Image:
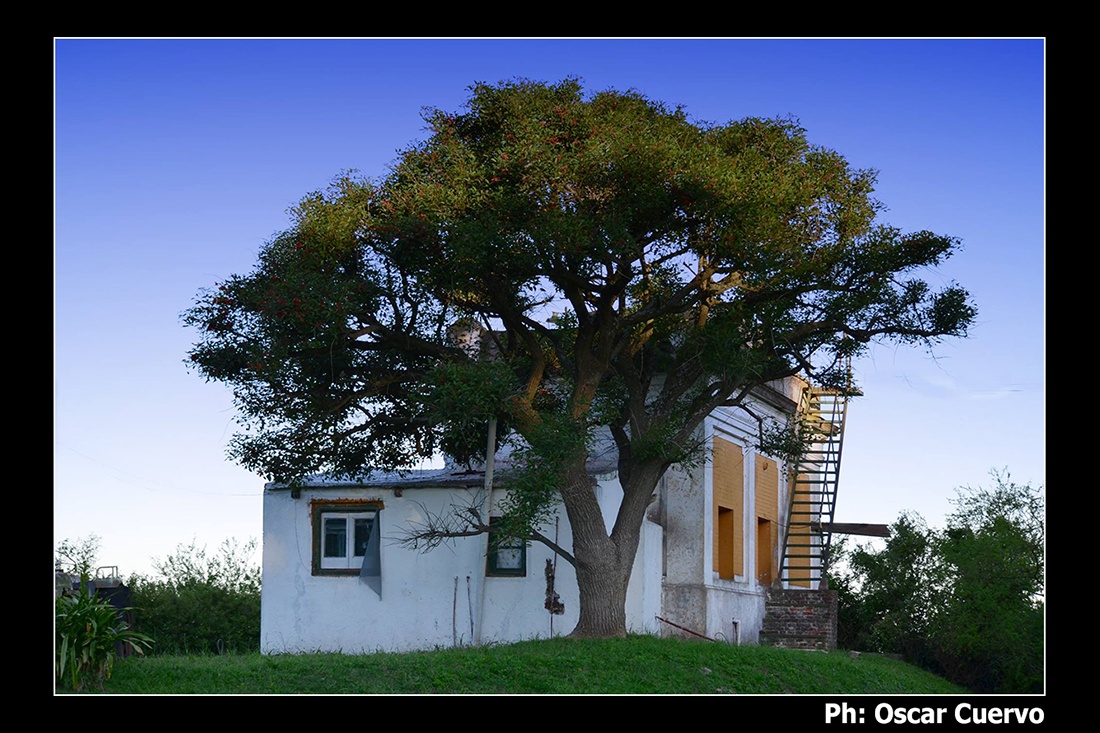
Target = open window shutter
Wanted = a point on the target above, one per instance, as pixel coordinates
(371, 574)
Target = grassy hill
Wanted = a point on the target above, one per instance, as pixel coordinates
(635, 665)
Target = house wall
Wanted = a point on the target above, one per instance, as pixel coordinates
(700, 592)
(439, 598)
(442, 598)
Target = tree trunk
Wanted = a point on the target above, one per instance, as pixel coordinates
(600, 578)
(603, 562)
(602, 589)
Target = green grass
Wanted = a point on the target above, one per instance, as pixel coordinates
(635, 665)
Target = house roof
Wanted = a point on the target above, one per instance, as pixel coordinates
(602, 462)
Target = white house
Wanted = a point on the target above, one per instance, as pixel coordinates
(337, 578)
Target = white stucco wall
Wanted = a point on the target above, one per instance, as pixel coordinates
(429, 599)
(436, 599)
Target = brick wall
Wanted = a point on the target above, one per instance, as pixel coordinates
(800, 619)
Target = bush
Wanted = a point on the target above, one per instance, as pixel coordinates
(89, 633)
(966, 601)
(989, 636)
(200, 603)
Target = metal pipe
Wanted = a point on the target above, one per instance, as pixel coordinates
(490, 456)
(684, 628)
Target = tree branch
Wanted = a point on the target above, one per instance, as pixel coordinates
(465, 520)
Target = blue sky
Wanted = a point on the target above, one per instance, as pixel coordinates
(177, 158)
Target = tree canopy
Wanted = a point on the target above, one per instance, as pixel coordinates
(628, 269)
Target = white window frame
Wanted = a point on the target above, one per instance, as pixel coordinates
(350, 562)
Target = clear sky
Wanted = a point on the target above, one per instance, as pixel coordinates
(176, 159)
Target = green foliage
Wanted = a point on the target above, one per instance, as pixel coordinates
(792, 440)
(990, 639)
(965, 601)
(464, 397)
(202, 603)
(89, 634)
(695, 260)
(542, 464)
(895, 593)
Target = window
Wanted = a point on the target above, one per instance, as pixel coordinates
(507, 555)
(345, 540)
(341, 537)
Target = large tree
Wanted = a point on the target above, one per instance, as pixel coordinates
(632, 270)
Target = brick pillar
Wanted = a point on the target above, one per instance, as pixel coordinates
(797, 618)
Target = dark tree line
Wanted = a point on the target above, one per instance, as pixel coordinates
(966, 601)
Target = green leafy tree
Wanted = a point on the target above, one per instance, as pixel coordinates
(887, 596)
(77, 557)
(631, 270)
(965, 601)
(989, 630)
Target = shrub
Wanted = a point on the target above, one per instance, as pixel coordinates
(966, 601)
(201, 603)
(90, 632)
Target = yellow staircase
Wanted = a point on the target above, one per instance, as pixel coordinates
(813, 491)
